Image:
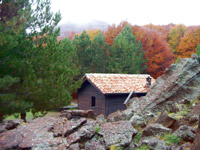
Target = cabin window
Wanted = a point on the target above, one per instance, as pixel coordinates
(93, 101)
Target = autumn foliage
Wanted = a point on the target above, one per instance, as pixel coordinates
(156, 49)
(161, 44)
(188, 43)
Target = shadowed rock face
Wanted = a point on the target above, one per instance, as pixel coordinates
(180, 81)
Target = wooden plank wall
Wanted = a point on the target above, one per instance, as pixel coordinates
(114, 103)
(84, 99)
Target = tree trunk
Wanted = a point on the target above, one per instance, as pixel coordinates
(23, 116)
(1, 118)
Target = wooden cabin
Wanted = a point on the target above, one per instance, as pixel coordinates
(106, 93)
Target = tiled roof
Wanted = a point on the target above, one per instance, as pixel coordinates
(119, 83)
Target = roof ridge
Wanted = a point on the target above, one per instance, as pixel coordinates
(116, 74)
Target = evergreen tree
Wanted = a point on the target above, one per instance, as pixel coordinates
(45, 68)
(127, 55)
(82, 44)
(99, 54)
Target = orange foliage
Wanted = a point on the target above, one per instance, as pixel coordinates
(154, 44)
(189, 42)
(71, 35)
(113, 32)
(156, 50)
(92, 33)
(163, 29)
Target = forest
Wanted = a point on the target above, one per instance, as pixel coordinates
(39, 71)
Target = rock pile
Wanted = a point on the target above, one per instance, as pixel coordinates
(165, 119)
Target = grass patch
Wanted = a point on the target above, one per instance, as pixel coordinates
(169, 139)
(138, 137)
(143, 147)
(29, 115)
(113, 147)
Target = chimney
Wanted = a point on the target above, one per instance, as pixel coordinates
(148, 79)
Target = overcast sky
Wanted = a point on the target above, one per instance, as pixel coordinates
(138, 12)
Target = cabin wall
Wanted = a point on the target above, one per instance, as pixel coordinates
(115, 102)
(84, 99)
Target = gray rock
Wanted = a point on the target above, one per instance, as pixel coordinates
(137, 121)
(118, 133)
(171, 107)
(69, 114)
(85, 132)
(10, 124)
(74, 146)
(31, 135)
(180, 81)
(155, 129)
(120, 115)
(65, 127)
(186, 133)
(95, 143)
(100, 119)
(155, 144)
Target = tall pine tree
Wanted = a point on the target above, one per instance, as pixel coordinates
(127, 55)
(99, 54)
(40, 69)
(82, 44)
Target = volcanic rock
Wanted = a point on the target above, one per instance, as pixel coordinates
(155, 129)
(180, 81)
(118, 133)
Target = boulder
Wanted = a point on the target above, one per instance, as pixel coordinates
(31, 135)
(137, 121)
(95, 143)
(9, 125)
(12, 124)
(100, 119)
(166, 120)
(66, 127)
(155, 143)
(171, 107)
(155, 129)
(180, 81)
(186, 133)
(118, 133)
(10, 139)
(69, 114)
(120, 115)
(85, 132)
(74, 146)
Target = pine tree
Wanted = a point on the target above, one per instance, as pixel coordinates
(82, 44)
(45, 68)
(127, 55)
(99, 54)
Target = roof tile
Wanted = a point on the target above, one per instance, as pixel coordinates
(119, 83)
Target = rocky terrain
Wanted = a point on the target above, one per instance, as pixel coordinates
(167, 118)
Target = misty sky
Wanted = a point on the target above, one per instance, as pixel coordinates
(139, 12)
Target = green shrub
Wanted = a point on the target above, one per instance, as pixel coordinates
(169, 139)
(137, 137)
(97, 129)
